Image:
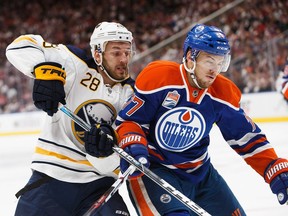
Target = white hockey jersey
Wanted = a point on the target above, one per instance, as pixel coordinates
(60, 151)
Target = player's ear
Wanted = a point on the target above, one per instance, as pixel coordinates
(97, 57)
(189, 60)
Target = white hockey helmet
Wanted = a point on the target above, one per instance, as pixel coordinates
(102, 34)
(108, 31)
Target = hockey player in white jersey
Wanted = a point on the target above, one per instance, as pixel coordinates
(72, 168)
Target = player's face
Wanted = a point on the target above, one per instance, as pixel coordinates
(116, 58)
(208, 66)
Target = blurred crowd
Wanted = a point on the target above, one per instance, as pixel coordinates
(252, 26)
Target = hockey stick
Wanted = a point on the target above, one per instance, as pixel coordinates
(116, 185)
(161, 182)
(110, 192)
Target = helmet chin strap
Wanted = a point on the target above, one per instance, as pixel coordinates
(111, 78)
(106, 72)
(191, 71)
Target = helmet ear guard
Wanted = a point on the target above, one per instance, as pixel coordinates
(208, 39)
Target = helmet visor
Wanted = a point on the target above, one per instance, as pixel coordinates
(219, 64)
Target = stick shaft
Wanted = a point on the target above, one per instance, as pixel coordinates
(75, 118)
(161, 182)
(110, 192)
(116, 185)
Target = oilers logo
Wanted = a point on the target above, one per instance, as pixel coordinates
(179, 129)
(93, 112)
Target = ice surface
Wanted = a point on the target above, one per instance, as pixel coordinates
(251, 190)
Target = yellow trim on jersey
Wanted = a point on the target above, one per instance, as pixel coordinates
(24, 37)
(116, 171)
(62, 157)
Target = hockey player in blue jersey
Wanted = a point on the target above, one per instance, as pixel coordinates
(67, 176)
(166, 126)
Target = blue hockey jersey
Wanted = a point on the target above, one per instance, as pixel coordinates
(176, 120)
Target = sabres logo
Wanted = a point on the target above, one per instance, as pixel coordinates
(180, 128)
(93, 112)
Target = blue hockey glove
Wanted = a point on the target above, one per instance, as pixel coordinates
(48, 89)
(136, 146)
(277, 176)
(100, 140)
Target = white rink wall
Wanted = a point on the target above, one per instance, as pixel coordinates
(261, 107)
(16, 123)
(265, 107)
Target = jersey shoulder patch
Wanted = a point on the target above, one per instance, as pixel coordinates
(159, 74)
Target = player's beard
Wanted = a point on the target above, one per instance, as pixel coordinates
(110, 70)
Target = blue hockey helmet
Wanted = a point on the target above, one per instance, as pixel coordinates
(209, 39)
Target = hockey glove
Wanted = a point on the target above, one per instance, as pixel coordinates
(277, 176)
(48, 89)
(136, 146)
(100, 140)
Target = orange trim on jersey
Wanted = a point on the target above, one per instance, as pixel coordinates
(126, 127)
(60, 156)
(159, 74)
(143, 206)
(236, 212)
(131, 139)
(225, 90)
(261, 160)
(249, 146)
(164, 73)
(152, 152)
(188, 165)
(285, 91)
